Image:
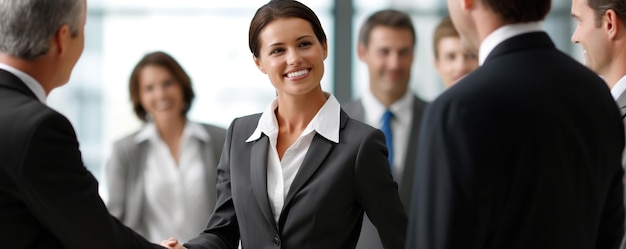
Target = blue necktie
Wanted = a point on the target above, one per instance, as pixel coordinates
(386, 128)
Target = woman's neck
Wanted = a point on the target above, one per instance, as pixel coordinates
(171, 131)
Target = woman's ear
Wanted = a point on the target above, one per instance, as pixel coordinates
(259, 64)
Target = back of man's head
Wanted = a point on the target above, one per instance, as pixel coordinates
(387, 18)
(26, 26)
(519, 11)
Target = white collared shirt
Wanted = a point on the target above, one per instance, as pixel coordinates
(503, 33)
(400, 125)
(619, 87)
(281, 173)
(30, 82)
(176, 200)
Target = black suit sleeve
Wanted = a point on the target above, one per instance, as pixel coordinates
(63, 194)
(378, 193)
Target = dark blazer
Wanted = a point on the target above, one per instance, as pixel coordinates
(369, 238)
(324, 207)
(48, 199)
(355, 110)
(525, 152)
(125, 175)
(621, 103)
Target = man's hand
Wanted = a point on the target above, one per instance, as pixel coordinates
(172, 243)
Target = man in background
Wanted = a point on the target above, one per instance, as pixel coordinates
(452, 59)
(524, 152)
(387, 45)
(48, 199)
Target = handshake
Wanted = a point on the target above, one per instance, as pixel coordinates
(172, 243)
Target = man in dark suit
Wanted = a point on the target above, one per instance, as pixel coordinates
(525, 151)
(386, 44)
(48, 199)
(601, 31)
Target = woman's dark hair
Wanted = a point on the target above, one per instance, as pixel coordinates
(277, 9)
(168, 62)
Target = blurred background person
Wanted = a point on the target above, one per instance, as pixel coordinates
(161, 179)
(302, 173)
(453, 60)
(386, 44)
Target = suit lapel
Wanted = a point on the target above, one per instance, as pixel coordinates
(317, 153)
(135, 184)
(406, 185)
(258, 170)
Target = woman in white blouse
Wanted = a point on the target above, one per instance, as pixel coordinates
(161, 179)
(302, 173)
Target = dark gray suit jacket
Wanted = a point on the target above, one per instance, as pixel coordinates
(125, 175)
(324, 208)
(48, 199)
(369, 238)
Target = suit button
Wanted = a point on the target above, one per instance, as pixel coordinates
(276, 241)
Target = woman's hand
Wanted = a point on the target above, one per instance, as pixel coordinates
(172, 243)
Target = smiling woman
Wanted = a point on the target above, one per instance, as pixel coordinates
(302, 173)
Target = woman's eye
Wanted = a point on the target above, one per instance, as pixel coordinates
(277, 50)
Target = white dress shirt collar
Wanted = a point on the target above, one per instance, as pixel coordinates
(402, 109)
(192, 130)
(30, 82)
(503, 33)
(401, 125)
(325, 122)
(619, 87)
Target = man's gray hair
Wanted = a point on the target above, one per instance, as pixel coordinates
(26, 26)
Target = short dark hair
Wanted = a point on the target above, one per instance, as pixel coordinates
(388, 18)
(276, 9)
(162, 59)
(602, 6)
(445, 28)
(519, 11)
